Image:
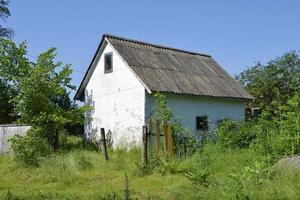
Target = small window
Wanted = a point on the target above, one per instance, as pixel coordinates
(255, 112)
(201, 123)
(108, 63)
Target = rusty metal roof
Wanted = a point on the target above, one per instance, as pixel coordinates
(178, 71)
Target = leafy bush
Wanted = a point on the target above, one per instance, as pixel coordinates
(168, 166)
(236, 134)
(28, 148)
(41, 91)
(185, 142)
(201, 177)
(143, 170)
(272, 137)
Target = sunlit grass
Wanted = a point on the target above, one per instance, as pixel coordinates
(84, 174)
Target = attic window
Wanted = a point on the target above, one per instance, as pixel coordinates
(201, 123)
(108, 62)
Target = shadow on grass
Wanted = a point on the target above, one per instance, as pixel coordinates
(72, 143)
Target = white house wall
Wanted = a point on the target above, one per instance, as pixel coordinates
(188, 107)
(119, 102)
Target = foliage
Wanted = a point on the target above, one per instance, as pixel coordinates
(283, 140)
(274, 83)
(200, 177)
(27, 148)
(215, 172)
(6, 106)
(126, 189)
(236, 134)
(274, 138)
(42, 91)
(168, 167)
(184, 140)
(4, 14)
(161, 110)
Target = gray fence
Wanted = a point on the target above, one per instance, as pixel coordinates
(7, 131)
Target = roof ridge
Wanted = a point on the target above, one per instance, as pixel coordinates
(154, 45)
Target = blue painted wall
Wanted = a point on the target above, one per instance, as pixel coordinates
(188, 107)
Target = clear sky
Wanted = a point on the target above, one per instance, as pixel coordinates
(237, 33)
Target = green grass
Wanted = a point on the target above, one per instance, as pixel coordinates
(213, 173)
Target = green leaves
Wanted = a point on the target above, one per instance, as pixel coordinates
(274, 83)
(5, 13)
(161, 110)
(27, 148)
(237, 134)
(42, 90)
(6, 106)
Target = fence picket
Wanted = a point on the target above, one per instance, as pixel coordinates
(166, 136)
(170, 142)
(144, 146)
(157, 137)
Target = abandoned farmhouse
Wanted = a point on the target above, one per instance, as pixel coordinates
(124, 74)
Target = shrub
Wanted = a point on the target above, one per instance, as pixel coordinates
(28, 148)
(201, 177)
(168, 166)
(185, 142)
(236, 134)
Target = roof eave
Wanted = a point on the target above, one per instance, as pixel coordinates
(80, 91)
(246, 99)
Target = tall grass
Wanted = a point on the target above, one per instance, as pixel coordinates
(212, 173)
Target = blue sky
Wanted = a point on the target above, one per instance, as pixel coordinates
(236, 33)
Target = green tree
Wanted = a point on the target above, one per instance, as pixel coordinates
(161, 110)
(6, 107)
(4, 14)
(41, 88)
(274, 83)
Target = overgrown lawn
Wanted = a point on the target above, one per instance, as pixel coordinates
(212, 173)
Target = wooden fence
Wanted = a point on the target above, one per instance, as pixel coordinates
(152, 137)
(157, 139)
(7, 131)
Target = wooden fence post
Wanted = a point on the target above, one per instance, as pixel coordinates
(157, 137)
(149, 133)
(170, 142)
(144, 146)
(103, 140)
(166, 136)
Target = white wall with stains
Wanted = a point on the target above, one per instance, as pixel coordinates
(119, 102)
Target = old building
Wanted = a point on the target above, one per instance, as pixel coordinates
(124, 74)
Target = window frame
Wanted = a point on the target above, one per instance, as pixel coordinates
(205, 120)
(106, 71)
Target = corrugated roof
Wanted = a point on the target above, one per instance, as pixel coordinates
(178, 71)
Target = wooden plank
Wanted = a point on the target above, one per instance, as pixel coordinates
(103, 139)
(157, 137)
(170, 142)
(149, 133)
(144, 146)
(166, 136)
